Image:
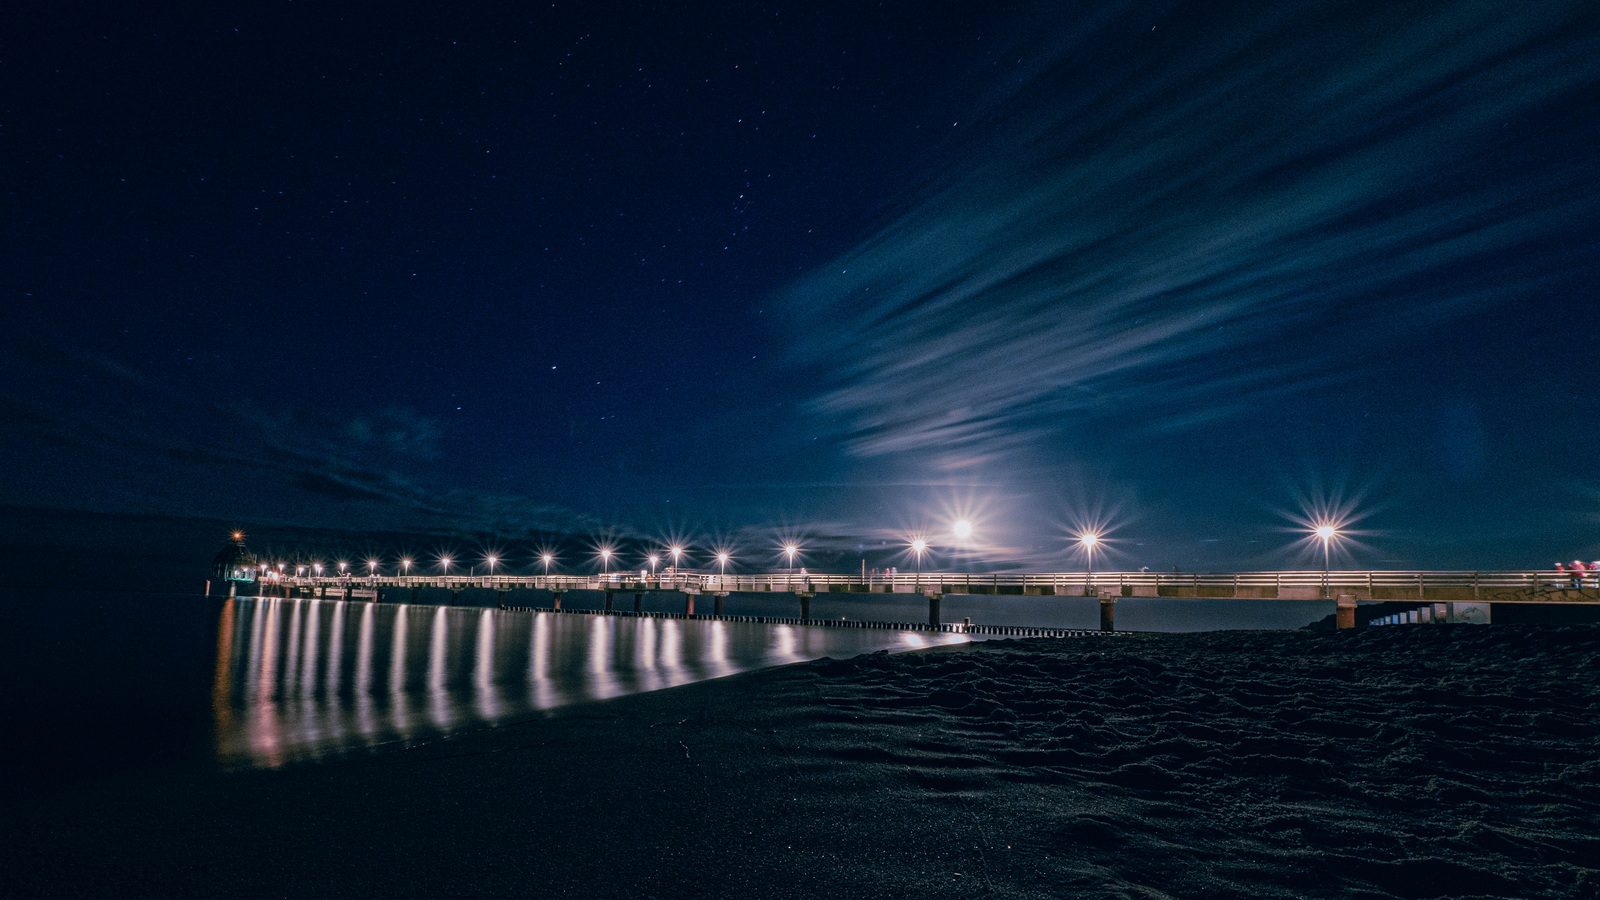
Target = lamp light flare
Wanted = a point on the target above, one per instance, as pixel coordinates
(962, 529)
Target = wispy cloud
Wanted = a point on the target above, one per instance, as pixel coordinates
(1157, 224)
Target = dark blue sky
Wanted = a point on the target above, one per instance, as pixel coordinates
(1184, 270)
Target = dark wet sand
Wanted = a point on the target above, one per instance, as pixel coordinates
(1448, 761)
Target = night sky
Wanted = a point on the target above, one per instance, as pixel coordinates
(1184, 273)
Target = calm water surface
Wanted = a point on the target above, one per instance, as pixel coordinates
(95, 681)
(304, 678)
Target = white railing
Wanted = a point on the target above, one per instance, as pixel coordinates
(1370, 584)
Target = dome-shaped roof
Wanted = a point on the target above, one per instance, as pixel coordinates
(233, 561)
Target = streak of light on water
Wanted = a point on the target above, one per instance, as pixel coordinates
(294, 684)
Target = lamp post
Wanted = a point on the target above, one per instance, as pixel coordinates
(722, 563)
(653, 560)
(919, 546)
(405, 566)
(605, 562)
(546, 558)
(444, 565)
(790, 550)
(1088, 541)
(1326, 533)
(491, 560)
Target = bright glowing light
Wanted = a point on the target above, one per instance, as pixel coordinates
(918, 546)
(238, 535)
(372, 565)
(1326, 532)
(790, 550)
(962, 529)
(406, 565)
(343, 565)
(1089, 541)
(444, 563)
(318, 567)
(491, 560)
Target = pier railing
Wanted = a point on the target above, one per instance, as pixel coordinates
(1532, 586)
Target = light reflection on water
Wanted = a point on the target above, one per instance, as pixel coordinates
(303, 679)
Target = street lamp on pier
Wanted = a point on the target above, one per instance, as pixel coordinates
(1089, 541)
(1326, 532)
(919, 547)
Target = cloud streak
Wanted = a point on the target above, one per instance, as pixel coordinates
(1156, 224)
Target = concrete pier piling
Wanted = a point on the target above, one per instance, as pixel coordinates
(1108, 610)
(1344, 611)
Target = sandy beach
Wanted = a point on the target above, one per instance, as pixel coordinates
(1422, 762)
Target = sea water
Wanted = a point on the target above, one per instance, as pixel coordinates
(98, 680)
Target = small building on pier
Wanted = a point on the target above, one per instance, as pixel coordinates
(234, 564)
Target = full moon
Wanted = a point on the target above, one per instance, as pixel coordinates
(963, 529)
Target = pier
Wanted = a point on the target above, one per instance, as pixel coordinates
(1460, 595)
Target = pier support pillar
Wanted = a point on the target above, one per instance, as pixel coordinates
(1108, 611)
(638, 602)
(1344, 611)
(416, 595)
(716, 604)
(933, 609)
(555, 600)
(609, 604)
(688, 604)
(455, 596)
(500, 598)
(805, 607)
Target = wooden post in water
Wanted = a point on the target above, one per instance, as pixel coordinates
(638, 602)
(1344, 611)
(1108, 611)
